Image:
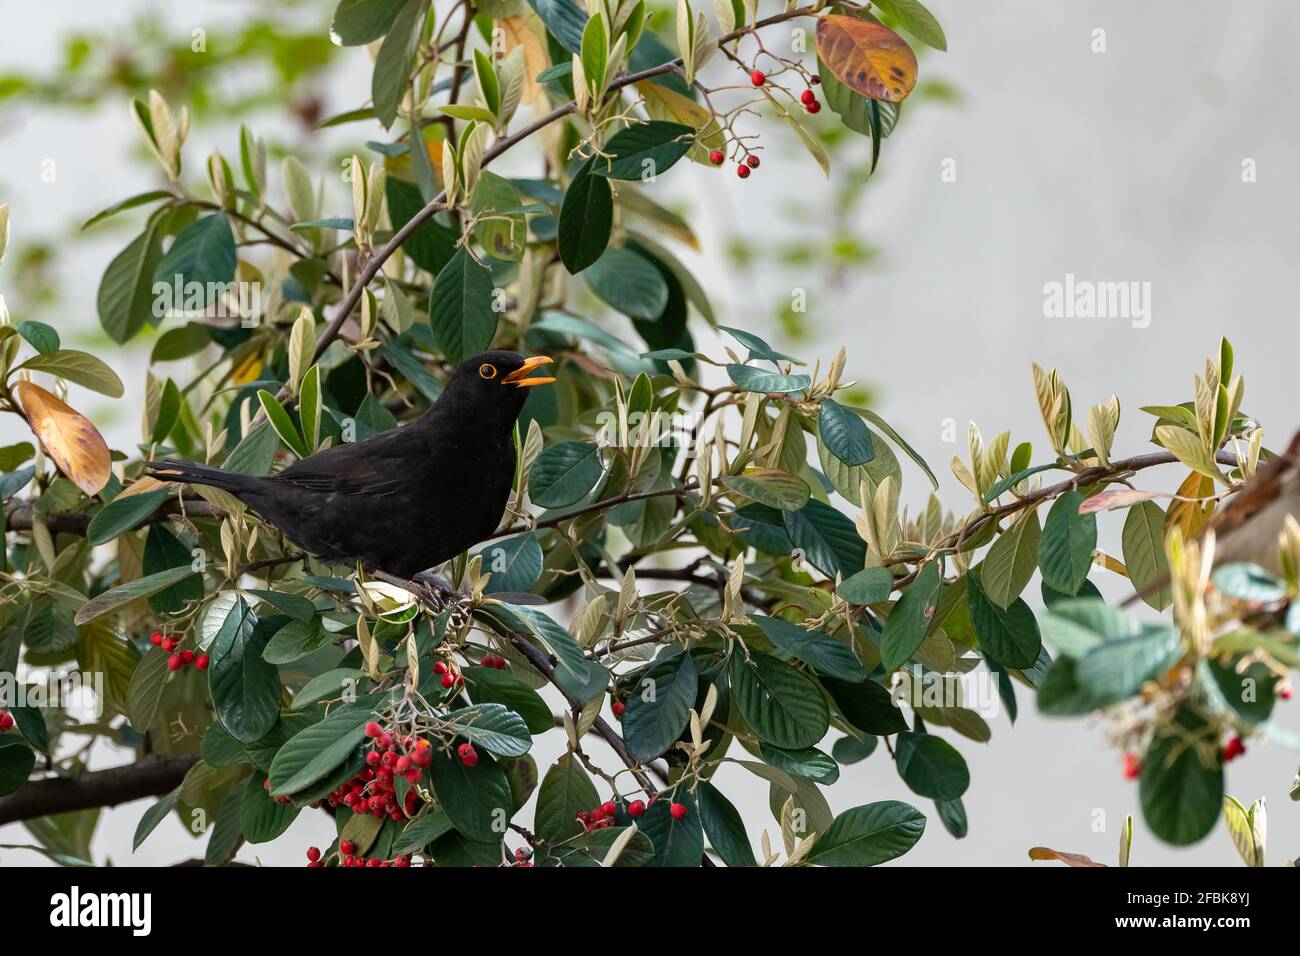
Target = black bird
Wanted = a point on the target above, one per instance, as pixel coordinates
(410, 498)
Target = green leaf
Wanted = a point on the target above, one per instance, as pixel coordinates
(311, 754)
(866, 705)
(758, 348)
(1011, 561)
(131, 202)
(781, 705)
(494, 727)
(658, 710)
(869, 835)
(629, 282)
(844, 433)
(122, 514)
(358, 22)
(776, 489)
(910, 619)
(644, 150)
(295, 605)
(16, 481)
(1181, 786)
(753, 379)
(1010, 636)
(677, 843)
(116, 597)
(202, 252)
(488, 81)
(809, 763)
(488, 685)
(261, 818)
(293, 642)
(125, 298)
(564, 474)
(724, 827)
(395, 60)
(1248, 582)
(826, 654)
(1067, 543)
(81, 368)
(565, 790)
(282, 423)
(515, 563)
(930, 766)
(913, 17)
(327, 685)
(868, 586)
(502, 234)
(39, 336)
(460, 308)
(245, 688)
(1144, 552)
(421, 832)
(1116, 669)
(564, 21)
(152, 817)
(17, 761)
(477, 798)
(586, 219)
(827, 539)
(144, 695)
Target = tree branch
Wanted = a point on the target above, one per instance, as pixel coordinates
(150, 777)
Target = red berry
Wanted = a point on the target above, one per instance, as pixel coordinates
(373, 758)
(717, 157)
(742, 171)
(467, 754)
(169, 644)
(608, 808)
(187, 657)
(447, 680)
(313, 853)
(6, 720)
(814, 79)
(402, 765)
(752, 162)
(1132, 767)
(440, 667)
(618, 707)
(758, 78)
(501, 663)
(373, 729)
(156, 638)
(174, 663)
(808, 97)
(1285, 692)
(814, 107)
(678, 810)
(201, 662)
(384, 741)
(636, 808)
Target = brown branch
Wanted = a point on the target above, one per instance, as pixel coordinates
(150, 777)
(1088, 476)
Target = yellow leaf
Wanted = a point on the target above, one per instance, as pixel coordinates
(867, 57)
(71, 441)
(248, 369)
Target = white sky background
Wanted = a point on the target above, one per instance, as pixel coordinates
(1122, 166)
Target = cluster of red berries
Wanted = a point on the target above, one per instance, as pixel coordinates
(178, 659)
(451, 674)
(493, 661)
(374, 789)
(523, 857)
(1233, 748)
(718, 157)
(809, 100)
(266, 785)
(603, 815)
(6, 720)
(348, 856)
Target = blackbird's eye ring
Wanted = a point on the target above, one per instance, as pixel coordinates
(487, 370)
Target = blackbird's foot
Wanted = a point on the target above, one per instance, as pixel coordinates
(429, 579)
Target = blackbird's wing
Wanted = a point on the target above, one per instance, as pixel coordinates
(373, 468)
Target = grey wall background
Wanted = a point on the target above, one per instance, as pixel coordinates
(1122, 165)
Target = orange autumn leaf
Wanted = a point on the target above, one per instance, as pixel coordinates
(71, 441)
(867, 57)
(1069, 859)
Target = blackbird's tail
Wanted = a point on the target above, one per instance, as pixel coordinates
(189, 472)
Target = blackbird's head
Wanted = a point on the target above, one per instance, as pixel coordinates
(494, 385)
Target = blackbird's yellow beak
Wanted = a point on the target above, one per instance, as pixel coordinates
(520, 378)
